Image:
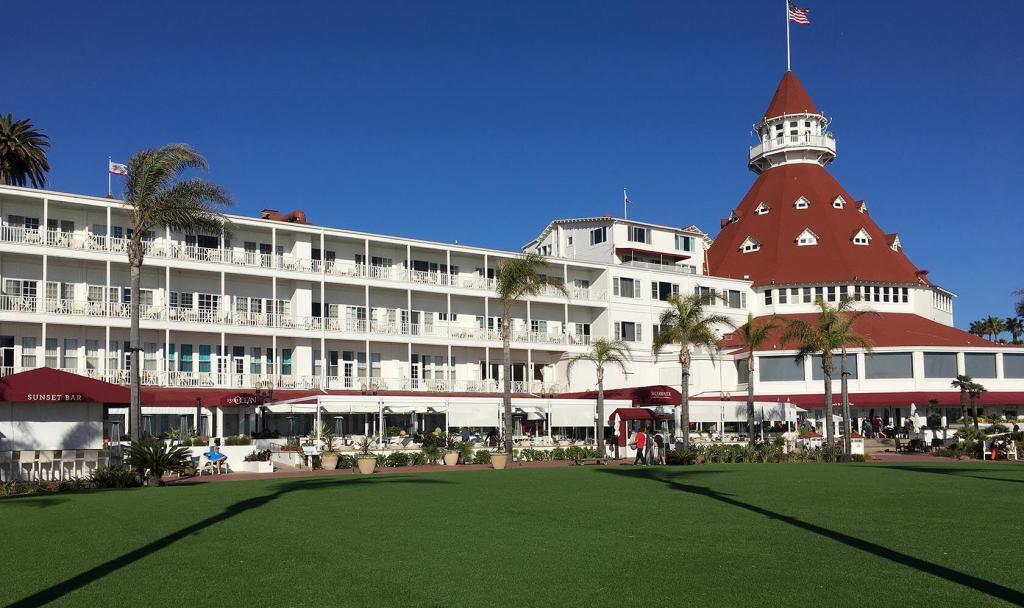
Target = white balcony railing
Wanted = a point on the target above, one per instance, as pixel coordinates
(825, 142)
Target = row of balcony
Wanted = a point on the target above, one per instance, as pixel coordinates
(337, 268)
(173, 379)
(279, 320)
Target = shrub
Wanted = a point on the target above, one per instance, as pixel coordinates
(465, 452)
(394, 431)
(112, 476)
(682, 457)
(152, 459)
(346, 461)
(532, 455)
(258, 456)
(574, 452)
(557, 454)
(238, 440)
(418, 458)
(396, 459)
(482, 457)
(432, 453)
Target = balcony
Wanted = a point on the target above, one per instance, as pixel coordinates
(661, 267)
(161, 249)
(821, 145)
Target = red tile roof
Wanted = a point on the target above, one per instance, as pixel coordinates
(790, 98)
(780, 260)
(885, 329)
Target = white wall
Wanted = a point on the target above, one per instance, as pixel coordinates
(56, 426)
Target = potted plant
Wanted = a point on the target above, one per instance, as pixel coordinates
(499, 459)
(328, 457)
(451, 454)
(366, 461)
(258, 461)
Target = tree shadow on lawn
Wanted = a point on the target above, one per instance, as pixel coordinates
(955, 472)
(40, 502)
(78, 581)
(978, 584)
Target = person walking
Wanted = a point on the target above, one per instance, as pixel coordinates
(640, 443)
(649, 451)
(659, 447)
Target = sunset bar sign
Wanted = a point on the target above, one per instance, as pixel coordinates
(55, 397)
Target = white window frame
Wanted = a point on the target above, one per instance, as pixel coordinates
(802, 203)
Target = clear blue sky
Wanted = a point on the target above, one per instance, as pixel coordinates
(479, 121)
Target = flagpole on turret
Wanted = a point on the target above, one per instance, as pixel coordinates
(788, 67)
(110, 189)
(625, 204)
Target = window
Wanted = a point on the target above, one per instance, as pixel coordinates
(255, 360)
(802, 203)
(1013, 365)
(839, 203)
(980, 365)
(598, 235)
(28, 352)
(569, 240)
(149, 358)
(780, 369)
(208, 302)
(185, 360)
(735, 299)
(545, 250)
(863, 207)
(626, 288)
(70, 359)
(628, 331)
(113, 357)
(52, 353)
(749, 244)
(882, 366)
(661, 290)
(862, 237)
(538, 326)
(742, 375)
(286, 361)
(940, 365)
(92, 354)
(639, 235)
(807, 296)
(707, 295)
(204, 358)
(768, 296)
(831, 293)
(807, 237)
(837, 361)
(762, 209)
(905, 294)
(684, 243)
(783, 296)
(819, 293)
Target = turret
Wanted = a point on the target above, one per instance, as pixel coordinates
(792, 130)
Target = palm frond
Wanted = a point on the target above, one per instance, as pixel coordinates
(23, 159)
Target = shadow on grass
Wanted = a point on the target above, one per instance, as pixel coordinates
(955, 576)
(954, 471)
(39, 502)
(91, 575)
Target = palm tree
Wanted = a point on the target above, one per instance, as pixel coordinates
(157, 196)
(1015, 327)
(974, 390)
(1019, 306)
(602, 352)
(833, 331)
(963, 383)
(516, 278)
(976, 328)
(22, 155)
(993, 327)
(752, 335)
(686, 325)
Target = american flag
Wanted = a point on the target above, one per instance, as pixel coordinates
(799, 15)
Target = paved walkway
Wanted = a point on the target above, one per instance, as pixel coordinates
(429, 468)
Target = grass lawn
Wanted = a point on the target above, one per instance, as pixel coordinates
(725, 535)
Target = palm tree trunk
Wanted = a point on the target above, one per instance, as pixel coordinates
(600, 411)
(963, 406)
(750, 397)
(684, 408)
(845, 399)
(974, 411)
(506, 351)
(829, 434)
(135, 411)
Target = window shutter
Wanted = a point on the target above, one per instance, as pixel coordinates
(639, 332)
(654, 290)
(618, 330)
(615, 286)
(636, 289)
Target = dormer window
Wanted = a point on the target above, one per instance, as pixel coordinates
(862, 207)
(802, 203)
(862, 237)
(894, 244)
(749, 245)
(807, 237)
(839, 203)
(762, 209)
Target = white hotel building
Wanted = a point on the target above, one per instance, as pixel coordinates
(314, 308)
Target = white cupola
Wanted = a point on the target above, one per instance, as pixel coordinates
(792, 130)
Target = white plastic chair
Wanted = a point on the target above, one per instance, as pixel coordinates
(26, 460)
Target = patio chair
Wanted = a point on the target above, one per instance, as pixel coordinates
(986, 450)
(6, 466)
(26, 468)
(46, 464)
(69, 460)
(90, 461)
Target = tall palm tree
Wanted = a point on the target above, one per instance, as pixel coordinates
(963, 383)
(752, 335)
(833, 331)
(977, 328)
(1019, 306)
(22, 153)
(993, 327)
(602, 352)
(974, 390)
(516, 278)
(1015, 327)
(158, 196)
(687, 325)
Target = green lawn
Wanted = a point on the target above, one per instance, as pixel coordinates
(727, 535)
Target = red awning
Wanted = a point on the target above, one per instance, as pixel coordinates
(663, 254)
(862, 400)
(658, 394)
(48, 385)
(636, 413)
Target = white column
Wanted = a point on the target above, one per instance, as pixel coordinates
(41, 302)
(107, 239)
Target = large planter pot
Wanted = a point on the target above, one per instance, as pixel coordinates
(259, 466)
(366, 464)
(329, 461)
(499, 460)
(451, 458)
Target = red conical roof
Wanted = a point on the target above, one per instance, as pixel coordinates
(790, 98)
(834, 259)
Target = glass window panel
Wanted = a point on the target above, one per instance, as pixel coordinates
(780, 369)
(888, 365)
(940, 365)
(980, 365)
(1013, 365)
